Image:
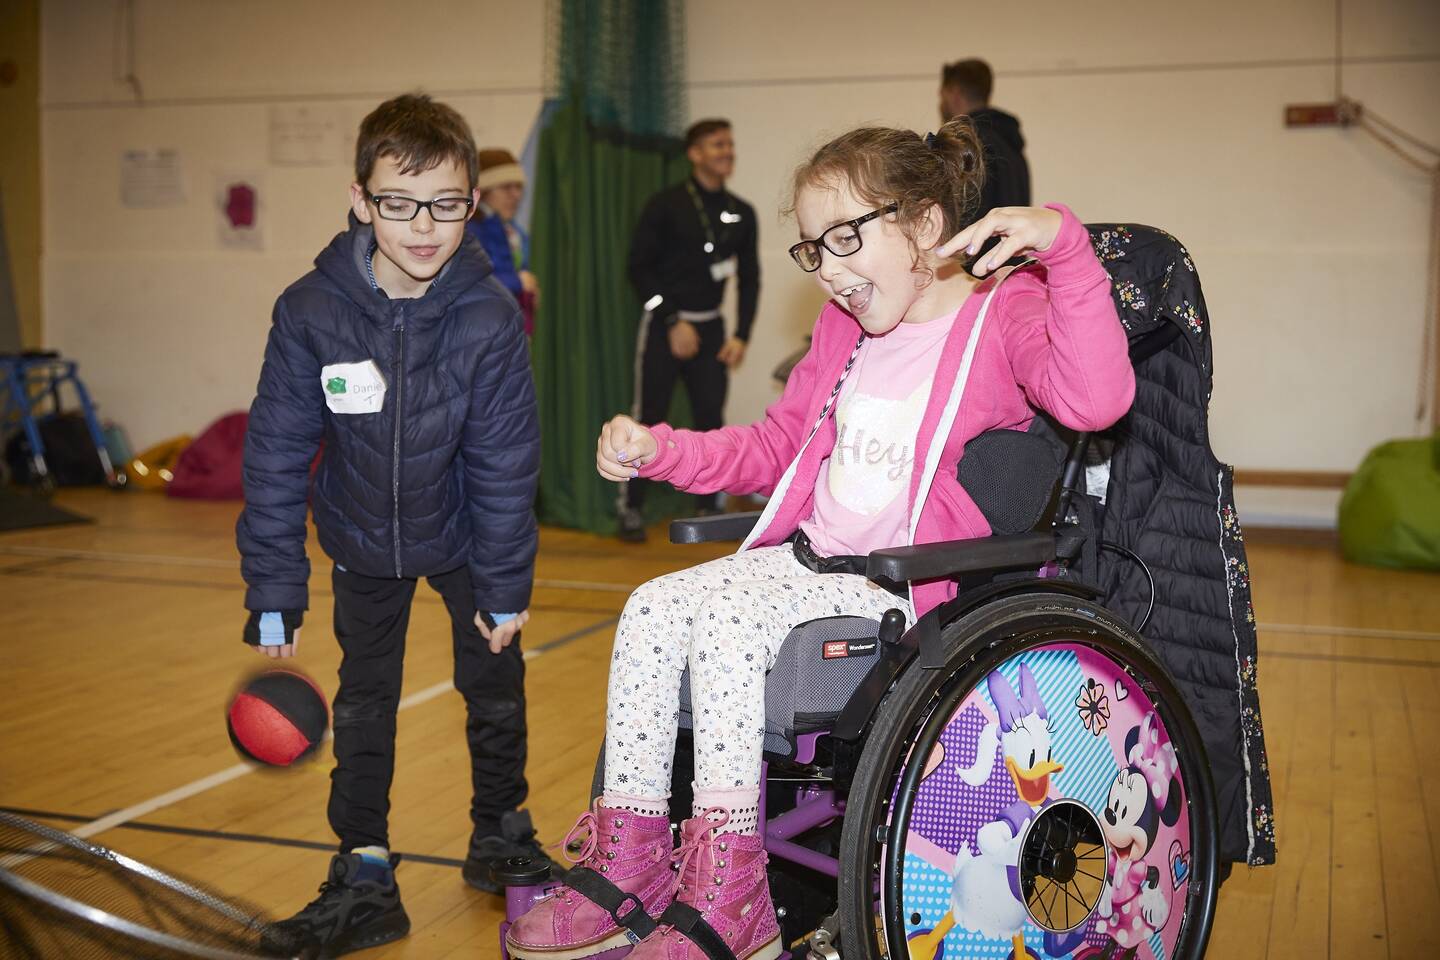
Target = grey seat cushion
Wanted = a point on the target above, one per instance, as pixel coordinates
(820, 664)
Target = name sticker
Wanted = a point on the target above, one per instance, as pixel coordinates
(353, 387)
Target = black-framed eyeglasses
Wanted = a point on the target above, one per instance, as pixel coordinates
(842, 240)
(442, 209)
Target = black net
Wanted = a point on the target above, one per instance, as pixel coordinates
(623, 60)
(61, 896)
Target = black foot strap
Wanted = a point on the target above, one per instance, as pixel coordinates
(624, 908)
(688, 921)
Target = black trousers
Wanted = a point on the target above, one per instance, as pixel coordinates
(706, 380)
(371, 617)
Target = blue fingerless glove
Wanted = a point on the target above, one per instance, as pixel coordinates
(272, 628)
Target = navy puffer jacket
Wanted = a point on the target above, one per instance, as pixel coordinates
(441, 475)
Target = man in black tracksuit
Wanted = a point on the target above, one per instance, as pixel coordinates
(965, 87)
(690, 240)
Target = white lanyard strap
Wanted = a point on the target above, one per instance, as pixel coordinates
(952, 409)
(773, 506)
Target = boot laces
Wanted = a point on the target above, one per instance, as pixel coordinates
(699, 848)
(586, 833)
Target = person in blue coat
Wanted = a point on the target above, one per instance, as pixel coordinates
(501, 183)
(403, 358)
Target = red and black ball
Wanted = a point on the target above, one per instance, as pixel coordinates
(278, 718)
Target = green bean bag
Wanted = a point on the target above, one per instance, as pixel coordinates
(1390, 511)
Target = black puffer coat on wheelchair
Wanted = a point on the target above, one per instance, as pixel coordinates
(1171, 502)
(441, 476)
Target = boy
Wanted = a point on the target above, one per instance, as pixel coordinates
(406, 357)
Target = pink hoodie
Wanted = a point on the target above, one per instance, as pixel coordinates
(1051, 339)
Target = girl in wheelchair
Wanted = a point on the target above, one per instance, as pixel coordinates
(914, 355)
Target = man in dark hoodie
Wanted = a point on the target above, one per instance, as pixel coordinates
(407, 358)
(965, 87)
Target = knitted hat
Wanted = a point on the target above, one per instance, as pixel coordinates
(496, 167)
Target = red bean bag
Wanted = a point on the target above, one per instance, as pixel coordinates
(209, 469)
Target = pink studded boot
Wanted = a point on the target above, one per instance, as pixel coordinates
(723, 893)
(622, 880)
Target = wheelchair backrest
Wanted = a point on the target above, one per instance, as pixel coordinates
(1014, 476)
(1018, 478)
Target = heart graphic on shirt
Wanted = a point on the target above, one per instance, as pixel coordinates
(1179, 864)
(1121, 691)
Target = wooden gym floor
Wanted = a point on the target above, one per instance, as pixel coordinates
(120, 645)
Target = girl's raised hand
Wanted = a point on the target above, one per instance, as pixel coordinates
(624, 445)
(1021, 229)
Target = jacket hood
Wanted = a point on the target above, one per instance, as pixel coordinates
(1005, 125)
(343, 264)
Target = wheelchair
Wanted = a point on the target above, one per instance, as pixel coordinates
(1014, 775)
(28, 380)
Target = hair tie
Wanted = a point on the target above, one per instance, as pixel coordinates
(931, 140)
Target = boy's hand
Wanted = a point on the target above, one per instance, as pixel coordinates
(282, 651)
(1023, 228)
(274, 634)
(503, 634)
(624, 445)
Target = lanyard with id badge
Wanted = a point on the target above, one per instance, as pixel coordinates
(720, 270)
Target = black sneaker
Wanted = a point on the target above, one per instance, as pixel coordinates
(515, 839)
(358, 907)
(632, 526)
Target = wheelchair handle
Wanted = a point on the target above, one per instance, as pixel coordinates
(892, 626)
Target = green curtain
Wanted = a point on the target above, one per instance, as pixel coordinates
(609, 144)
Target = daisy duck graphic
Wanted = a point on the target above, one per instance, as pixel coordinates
(986, 895)
(1144, 794)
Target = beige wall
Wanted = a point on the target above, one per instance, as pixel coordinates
(169, 326)
(1311, 243)
(20, 159)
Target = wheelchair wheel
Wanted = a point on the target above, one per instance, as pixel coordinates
(1045, 794)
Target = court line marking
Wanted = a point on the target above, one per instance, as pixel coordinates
(1376, 633)
(99, 555)
(43, 570)
(35, 567)
(169, 798)
(175, 830)
(1347, 658)
(214, 564)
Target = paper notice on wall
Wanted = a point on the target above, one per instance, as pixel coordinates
(151, 178)
(306, 136)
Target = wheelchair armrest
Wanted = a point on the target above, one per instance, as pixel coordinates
(722, 526)
(930, 561)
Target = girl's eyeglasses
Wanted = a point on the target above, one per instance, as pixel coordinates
(842, 240)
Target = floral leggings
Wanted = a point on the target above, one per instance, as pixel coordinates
(726, 619)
